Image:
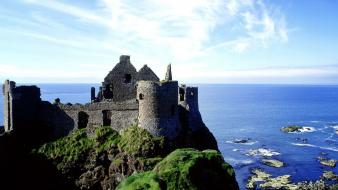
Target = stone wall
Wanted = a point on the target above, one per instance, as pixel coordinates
(120, 83)
(145, 73)
(65, 118)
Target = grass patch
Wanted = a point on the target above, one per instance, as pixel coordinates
(139, 142)
(106, 138)
(141, 181)
(69, 149)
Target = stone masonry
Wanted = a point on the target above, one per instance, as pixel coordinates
(126, 97)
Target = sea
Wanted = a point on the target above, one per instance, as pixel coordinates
(255, 114)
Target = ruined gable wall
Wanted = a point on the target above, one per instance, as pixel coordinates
(121, 89)
(145, 73)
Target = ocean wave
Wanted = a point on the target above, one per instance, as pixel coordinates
(315, 146)
(262, 152)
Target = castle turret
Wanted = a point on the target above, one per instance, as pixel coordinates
(158, 107)
(188, 99)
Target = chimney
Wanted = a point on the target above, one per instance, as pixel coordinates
(124, 59)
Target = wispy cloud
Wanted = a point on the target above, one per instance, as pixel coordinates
(258, 25)
(182, 28)
(154, 32)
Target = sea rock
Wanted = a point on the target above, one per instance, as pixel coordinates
(245, 141)
(297, 129)
(280, 182)
(327, 162)
(329, 175)
(273, 163)
(303, 140)
(291, 128)
(265, 181)
(262, 152)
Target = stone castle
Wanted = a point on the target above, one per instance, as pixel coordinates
(127, 97)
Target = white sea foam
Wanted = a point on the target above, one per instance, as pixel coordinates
(262, 152)
(315, 146)
(335, 128)
(307, 129)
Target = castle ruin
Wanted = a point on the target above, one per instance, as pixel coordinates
(126, 97)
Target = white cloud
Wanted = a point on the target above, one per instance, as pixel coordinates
(156, 32)
(182, 28)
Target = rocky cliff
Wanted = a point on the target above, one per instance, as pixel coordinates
(106, 159)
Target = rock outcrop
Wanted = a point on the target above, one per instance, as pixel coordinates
(104, 158)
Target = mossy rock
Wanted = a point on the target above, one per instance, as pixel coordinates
(188, 169)
(74, 149)
(139, 142)
(291, 129)
(106, 138)
(142, 181)
(68, 150)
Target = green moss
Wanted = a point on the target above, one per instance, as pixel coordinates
(149, 163)
(106, 138)
(139, 142)
(291, 128)
(191, 169)
(76, 146)
(68, 149)
(141, 181)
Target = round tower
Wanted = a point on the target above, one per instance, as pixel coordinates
(158, 107)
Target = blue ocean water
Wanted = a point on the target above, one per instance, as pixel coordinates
(257, 112)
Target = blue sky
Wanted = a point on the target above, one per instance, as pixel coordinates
(207, 41)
